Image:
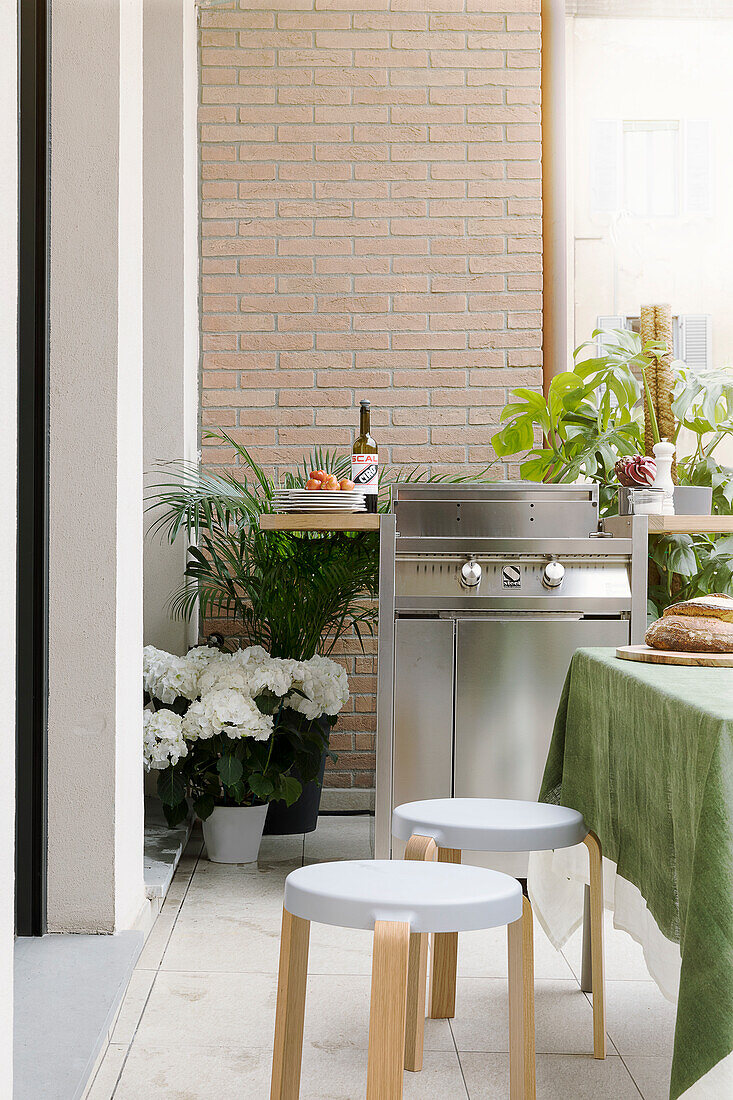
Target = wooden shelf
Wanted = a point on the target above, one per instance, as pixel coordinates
(690, 525)
(325, 521)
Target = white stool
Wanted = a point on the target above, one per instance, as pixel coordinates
(401, 902)
(494, 825)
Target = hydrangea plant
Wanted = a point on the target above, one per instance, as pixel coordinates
(236, 729)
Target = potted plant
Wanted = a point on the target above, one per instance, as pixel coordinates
(593, 416)
(232, 733)
(296, 594)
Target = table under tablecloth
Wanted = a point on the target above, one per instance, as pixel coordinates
(645, 752)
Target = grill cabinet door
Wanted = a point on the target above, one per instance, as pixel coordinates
(423, 710)
(509, 677)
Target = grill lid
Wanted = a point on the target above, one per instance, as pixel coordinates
(505, 510)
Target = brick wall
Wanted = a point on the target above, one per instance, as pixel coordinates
(370, 204)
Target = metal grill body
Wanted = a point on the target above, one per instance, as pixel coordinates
(485, 593)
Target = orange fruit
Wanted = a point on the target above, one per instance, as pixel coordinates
(313, 484)
(346, 485)
(318, 475)
(331, 482)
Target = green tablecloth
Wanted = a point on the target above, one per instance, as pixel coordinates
(645, 752)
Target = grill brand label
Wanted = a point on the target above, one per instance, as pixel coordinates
(511, 576)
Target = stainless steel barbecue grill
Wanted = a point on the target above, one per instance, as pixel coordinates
(485, 593)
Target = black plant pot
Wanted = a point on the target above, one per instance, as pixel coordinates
(302, 816)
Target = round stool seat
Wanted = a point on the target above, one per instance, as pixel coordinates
(490, 824)
(430, 897)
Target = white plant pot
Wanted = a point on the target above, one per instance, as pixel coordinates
(233, 833)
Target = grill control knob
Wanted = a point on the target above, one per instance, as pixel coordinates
(470, 574)
(553, 575)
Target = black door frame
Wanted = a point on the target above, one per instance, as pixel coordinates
(32, 576)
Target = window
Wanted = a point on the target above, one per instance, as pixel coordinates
(650, 169)
(691, 335)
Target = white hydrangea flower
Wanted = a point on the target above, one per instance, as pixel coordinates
(166, 676)
(250, 671)
(276, 675)
(225, 710)
(202, 655)
(324, 684)
(163, 742)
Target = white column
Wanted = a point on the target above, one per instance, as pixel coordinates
(95, 799)
(170, 280)
(8, 486)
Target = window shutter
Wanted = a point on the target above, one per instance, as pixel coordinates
(605, 166)
(698, 175)
(607, 323)
(696, 339)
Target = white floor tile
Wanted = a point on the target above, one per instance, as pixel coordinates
(559, 1077)
(651, 1074)
(639, 1019)
(187, 1012)
(132, 1006)
(245, 1075)
(484, 954)
(340, 837)
(105, 1079)
(623, 955)
(563, 1017)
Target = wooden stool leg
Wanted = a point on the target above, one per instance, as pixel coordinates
(528, 997)
(388, 1009)
(290, 1013)
(596, 944)
(521, 1079)
(444, 962)
(418, 847)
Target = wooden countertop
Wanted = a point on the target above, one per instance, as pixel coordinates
(690, 525)
(325, 521)
(369, 521)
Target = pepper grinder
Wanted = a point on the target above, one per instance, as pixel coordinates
(664, 454)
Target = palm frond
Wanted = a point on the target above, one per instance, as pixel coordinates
(295, 593)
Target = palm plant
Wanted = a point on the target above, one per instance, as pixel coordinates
(295, 594)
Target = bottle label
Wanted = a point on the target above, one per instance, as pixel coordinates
(365, 473)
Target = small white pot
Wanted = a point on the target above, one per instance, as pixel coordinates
(233, 833)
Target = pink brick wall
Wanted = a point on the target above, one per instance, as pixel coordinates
(371, 227)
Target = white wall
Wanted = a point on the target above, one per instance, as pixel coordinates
(170, 281)
(95, 801)
(8, 484)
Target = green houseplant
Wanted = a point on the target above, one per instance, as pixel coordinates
(294, 594)
(593, 415)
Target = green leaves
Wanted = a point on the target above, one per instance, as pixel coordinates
(230, 769)
(261, 786)
(171, 787)
(289, 789)
(204, 805)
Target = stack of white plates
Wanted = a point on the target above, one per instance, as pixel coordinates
(318, 500)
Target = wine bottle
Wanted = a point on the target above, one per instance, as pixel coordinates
(365, 459)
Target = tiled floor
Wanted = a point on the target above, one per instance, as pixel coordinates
(197, 1021)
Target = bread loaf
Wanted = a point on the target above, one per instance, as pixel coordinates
(691, 634)
(714, 606)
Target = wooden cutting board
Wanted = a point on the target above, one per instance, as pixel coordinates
(667, 657)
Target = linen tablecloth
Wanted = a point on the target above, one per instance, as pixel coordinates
(645, 752)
